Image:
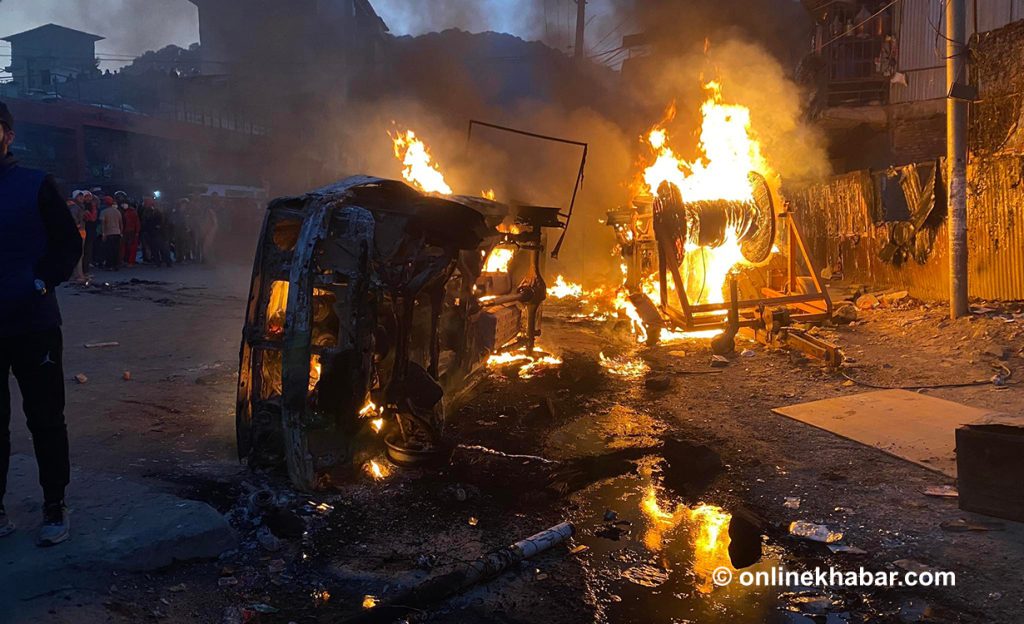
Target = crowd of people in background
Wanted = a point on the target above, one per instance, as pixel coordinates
(120, 231)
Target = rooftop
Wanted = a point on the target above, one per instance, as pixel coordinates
(52, 30)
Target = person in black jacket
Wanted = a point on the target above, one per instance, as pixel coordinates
(39, 248)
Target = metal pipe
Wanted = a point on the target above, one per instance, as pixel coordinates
(486, 567)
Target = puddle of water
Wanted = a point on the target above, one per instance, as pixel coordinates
(619, 428)
(653, 559)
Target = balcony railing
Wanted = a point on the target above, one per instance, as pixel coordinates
(853, 76)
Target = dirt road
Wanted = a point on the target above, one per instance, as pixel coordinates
(648, 523)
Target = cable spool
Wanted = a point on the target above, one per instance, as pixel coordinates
(707, 223)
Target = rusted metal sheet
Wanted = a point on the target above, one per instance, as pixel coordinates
(995, 228)
(846, 233)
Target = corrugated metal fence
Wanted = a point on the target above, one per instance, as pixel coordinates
(922, 50)
(842, 220)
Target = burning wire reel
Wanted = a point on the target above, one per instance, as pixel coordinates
(710, 223)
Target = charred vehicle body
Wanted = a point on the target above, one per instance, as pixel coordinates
(373, 308)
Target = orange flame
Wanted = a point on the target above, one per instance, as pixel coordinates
(728, 154)
(418, 164)
(499, 259)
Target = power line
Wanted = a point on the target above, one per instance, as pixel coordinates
(613, 30)
(609, 51)
(617, 58)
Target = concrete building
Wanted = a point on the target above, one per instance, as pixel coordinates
(289, 41)
(49, 55)
(879, 78)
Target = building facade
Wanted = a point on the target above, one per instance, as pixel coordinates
(50, 55)
(878, 73)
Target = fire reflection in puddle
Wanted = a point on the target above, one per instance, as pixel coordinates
(708, 529)
(651, 558)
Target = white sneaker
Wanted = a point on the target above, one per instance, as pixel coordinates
(56, 526)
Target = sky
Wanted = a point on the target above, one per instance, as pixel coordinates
(131, 27)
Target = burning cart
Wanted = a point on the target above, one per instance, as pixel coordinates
(373, 308)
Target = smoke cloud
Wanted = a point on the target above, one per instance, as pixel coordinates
(130, 27)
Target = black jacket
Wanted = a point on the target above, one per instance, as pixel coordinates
(38, 240)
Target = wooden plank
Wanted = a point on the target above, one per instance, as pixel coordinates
(915, 427)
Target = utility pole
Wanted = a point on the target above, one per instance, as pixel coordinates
(956, 156)
(581, 26)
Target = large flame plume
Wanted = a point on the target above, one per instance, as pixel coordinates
(418, 164)
(728, 153)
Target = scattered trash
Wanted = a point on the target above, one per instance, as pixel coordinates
(941, 491)
(460, 494)
(127, 375)
(177, 589)
(792, 502)
(719, 361)
(748, 353)
(582, 548)
(473, 521)
(845, 314)
(610, 515)
(101, 345)
(261, 607)
(369, 601)
(850, 550)
(868, 302)
(227, 581)
(894, 297)
(319, 508)
(426, 562)
(961, 525)
(267, 539)
(81, 378)
(814, 532)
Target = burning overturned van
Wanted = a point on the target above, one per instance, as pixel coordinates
(373, 308)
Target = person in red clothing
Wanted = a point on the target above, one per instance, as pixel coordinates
(130, 235)
(90, 215)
